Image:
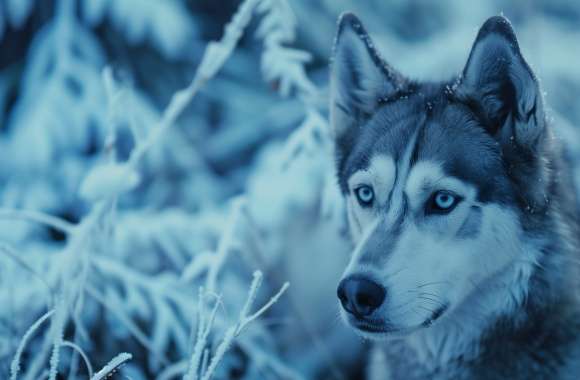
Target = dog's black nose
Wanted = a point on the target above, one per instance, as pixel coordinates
(360, 296)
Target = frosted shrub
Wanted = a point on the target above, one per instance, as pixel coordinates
(84, 259)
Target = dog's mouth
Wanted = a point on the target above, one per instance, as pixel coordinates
(374, 327)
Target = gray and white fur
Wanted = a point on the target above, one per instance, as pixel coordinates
(462, 215)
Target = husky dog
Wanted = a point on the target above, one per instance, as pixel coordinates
(462, 214)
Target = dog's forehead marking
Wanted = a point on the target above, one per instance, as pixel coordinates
(398, 198)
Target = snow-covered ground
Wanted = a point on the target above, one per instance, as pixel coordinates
(146, 176)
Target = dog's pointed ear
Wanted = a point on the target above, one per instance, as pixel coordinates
(499, 82)
(359, 80)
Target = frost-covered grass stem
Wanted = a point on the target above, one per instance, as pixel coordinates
(197, 359)
(15, 365)
(112, 366)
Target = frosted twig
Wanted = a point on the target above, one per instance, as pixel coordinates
(15, 365)
(200, 263)
(37, 217)
(248, 319)
(113, 97)
(203, 330)
(280, 63)
(205, 360)
(234, 331)
(221, 350)
(252, 294)
(75, 260)
(112, 366)
(75, 347)
(57, 332)
(8, 251)
(198, 364)
(123, 177)
(212, 61)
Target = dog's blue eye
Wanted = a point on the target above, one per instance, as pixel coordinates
(442, 202)
(365, 195)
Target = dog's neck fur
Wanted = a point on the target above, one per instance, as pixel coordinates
(460, 334)
(533, 347)
(470, 346)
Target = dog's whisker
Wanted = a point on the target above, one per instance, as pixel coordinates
(436, 302)
(433, 283)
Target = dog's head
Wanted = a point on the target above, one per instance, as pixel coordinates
(438, 179)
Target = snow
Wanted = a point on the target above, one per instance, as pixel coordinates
(150, 149)
(107, 181)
